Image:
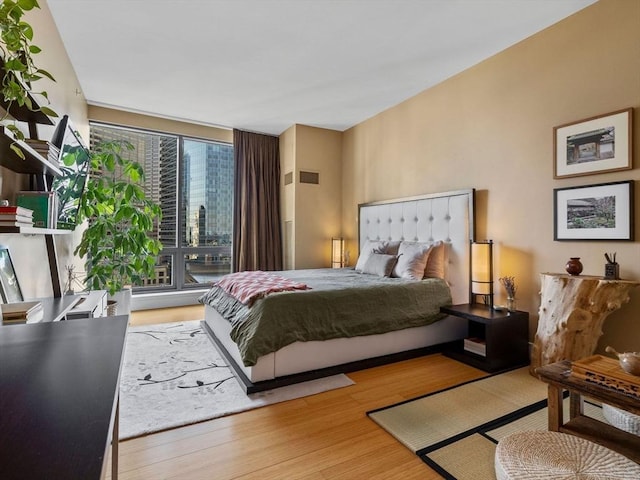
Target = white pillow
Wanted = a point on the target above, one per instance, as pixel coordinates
(412, 260)
(370, 246)
(380, 264)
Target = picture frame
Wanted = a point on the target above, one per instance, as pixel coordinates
(594, 212)
(594, 145)
(9, 286)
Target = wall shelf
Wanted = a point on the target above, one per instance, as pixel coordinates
(20, 112)
(23, 114)
(34, 231)
(33, 163)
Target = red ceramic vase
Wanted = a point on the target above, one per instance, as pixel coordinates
(574, 266)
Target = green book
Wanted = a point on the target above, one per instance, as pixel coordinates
(43, 206)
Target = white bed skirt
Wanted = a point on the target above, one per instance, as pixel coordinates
(301, 357)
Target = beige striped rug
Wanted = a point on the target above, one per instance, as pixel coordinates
(455, 431)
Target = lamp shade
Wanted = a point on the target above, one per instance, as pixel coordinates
(337, 252)
(481, 271)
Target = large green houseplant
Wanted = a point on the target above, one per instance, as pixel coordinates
(17, 67)
(117, 248)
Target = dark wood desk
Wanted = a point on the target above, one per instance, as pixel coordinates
(558, 376)
(59, 386)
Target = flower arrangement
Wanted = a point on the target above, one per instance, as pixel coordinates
(509, 284)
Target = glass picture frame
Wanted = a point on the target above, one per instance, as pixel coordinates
(594, 212)
(9, 286)
(594, 145)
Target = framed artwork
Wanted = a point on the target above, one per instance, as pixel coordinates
(593, 145)
(594, 212)
(9, 286)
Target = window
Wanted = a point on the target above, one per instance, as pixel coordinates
(192, 181)
(207, 206)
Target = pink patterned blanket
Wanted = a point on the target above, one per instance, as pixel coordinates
(249, 286)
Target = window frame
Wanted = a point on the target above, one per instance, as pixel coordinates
(176, 252)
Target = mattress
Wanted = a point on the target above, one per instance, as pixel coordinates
(340, 303)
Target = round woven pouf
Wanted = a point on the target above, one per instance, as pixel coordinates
(551, 455)
(626, 421)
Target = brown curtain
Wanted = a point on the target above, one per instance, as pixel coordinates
(257, 239)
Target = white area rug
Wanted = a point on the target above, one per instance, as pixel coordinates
(174, 376)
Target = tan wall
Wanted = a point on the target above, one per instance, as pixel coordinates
(490, 128)
(287, 148)
(318, 207)
(29, 252)
(313, 210)
(147, 122)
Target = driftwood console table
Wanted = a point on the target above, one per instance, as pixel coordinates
(572, 312)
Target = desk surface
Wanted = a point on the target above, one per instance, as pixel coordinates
(54, 309)
(59, 385)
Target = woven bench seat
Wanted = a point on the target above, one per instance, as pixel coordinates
(547, 455)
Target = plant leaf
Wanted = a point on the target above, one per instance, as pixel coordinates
(47, 111)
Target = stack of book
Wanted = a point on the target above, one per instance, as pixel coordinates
(14, 216)
(476, 345)
(44, 148)
(21, 312)
(44, 206)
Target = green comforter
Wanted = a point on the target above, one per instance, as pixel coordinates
(340, 303)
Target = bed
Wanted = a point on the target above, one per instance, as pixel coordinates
(387, 230)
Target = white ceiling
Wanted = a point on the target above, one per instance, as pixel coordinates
(264, 65)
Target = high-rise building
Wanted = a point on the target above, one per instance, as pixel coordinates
(195, 192)
(208, 193)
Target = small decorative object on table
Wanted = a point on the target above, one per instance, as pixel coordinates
(68, 288)
(611, 268)
(574, 266)
(509, 284)
(629, 361)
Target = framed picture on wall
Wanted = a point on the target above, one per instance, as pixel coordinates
(593, 145)
(594, 212)
(9, 286)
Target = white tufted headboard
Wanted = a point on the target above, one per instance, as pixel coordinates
(445, 216)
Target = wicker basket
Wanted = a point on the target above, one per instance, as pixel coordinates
(112, 308)
(621, 419)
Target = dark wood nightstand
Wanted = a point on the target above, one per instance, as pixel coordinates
(497, 340)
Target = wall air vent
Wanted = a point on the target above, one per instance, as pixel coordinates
(288, 178)
(310, 177)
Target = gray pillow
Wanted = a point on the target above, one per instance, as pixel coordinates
(380, 264)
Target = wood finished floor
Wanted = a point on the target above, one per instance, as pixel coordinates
(325, 436)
